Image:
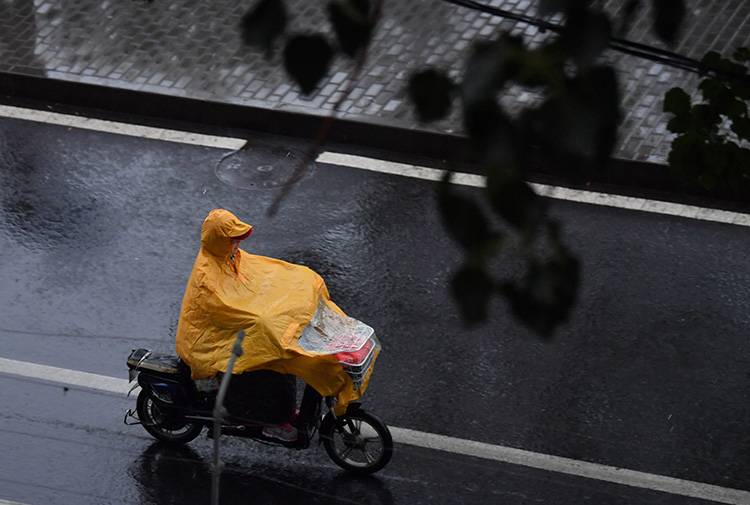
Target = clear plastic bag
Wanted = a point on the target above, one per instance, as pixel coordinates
(329, 332)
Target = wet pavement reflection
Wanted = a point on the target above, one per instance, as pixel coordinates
(179, 475)
(98, 233)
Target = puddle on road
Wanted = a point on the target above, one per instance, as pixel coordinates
(263, 166)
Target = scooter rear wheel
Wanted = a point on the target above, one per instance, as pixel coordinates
(161, 425)
(358, 442)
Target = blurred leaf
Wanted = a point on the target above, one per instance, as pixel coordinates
(544, 297)
(482, 77)
(513, 199)
(586, 34)
(629, 11)
(352, 24)
(486, 122)
(582, 121)
(543, 66)
(472, 289)
(602, 96)
(432, 94)
(307, 58)
(264, 23)
(489, 66)
(462, 217)
(668, 18)
(741, 54)
(677, 102)
(550, 7)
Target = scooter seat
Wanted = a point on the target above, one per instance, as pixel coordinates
(143, 359)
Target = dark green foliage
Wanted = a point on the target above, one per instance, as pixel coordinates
(702, 153)
(713, 61)
(307, 58)
(680, 124)
(741, 127)
(668, 17)
(677, 102)
(432, 94)
(706, 119)
(352, 23)
(741, 54)
(264, 23)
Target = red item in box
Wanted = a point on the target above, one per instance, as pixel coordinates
(356, 357)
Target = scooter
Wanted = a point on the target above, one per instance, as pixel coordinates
(174, 409)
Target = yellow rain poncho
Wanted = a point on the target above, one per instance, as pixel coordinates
(271, 300)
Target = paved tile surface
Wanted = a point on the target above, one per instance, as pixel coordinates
(193, 48)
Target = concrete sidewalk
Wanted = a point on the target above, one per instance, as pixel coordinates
(192, 49)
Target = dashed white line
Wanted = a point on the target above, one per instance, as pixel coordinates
(557, 192)
(381, 166)
(437, 442)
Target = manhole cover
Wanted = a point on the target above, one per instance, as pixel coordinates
(262, 167)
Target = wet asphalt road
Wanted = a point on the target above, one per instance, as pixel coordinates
(97, 236)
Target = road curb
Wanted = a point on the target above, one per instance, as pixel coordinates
(624, 177)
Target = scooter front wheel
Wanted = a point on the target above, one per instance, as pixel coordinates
(161, 425)
(357, 441)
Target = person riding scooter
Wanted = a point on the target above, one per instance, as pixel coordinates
(215, 307)
(290, 323)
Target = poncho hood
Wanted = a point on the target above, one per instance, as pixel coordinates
(219, 227)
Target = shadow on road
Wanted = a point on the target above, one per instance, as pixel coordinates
(179, 475)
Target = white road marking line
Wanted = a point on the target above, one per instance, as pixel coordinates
(444, 443)
(131, 130)
(557, 192)
(6, 502)
(64, 376)
(568, 466)
(382, 166)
